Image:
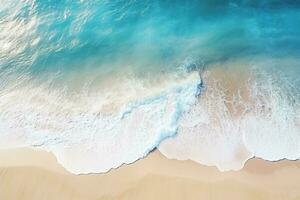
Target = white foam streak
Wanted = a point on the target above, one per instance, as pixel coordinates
(264, 125)
(88, 140)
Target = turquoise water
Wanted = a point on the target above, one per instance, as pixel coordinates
(70, 69)
(80, 35)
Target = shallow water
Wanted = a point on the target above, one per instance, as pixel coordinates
(102, 83)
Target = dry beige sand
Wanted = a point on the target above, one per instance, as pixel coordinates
(27, 174)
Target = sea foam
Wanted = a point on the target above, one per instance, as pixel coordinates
(232, 123)
(239, 113)
(85, 141)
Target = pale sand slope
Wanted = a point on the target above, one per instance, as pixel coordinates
(26, 174)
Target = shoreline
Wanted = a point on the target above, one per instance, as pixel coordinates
(58, 167)
(30, 174)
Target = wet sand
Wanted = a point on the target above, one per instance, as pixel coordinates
(34, 175)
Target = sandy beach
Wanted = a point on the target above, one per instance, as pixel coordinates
(34, 175)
